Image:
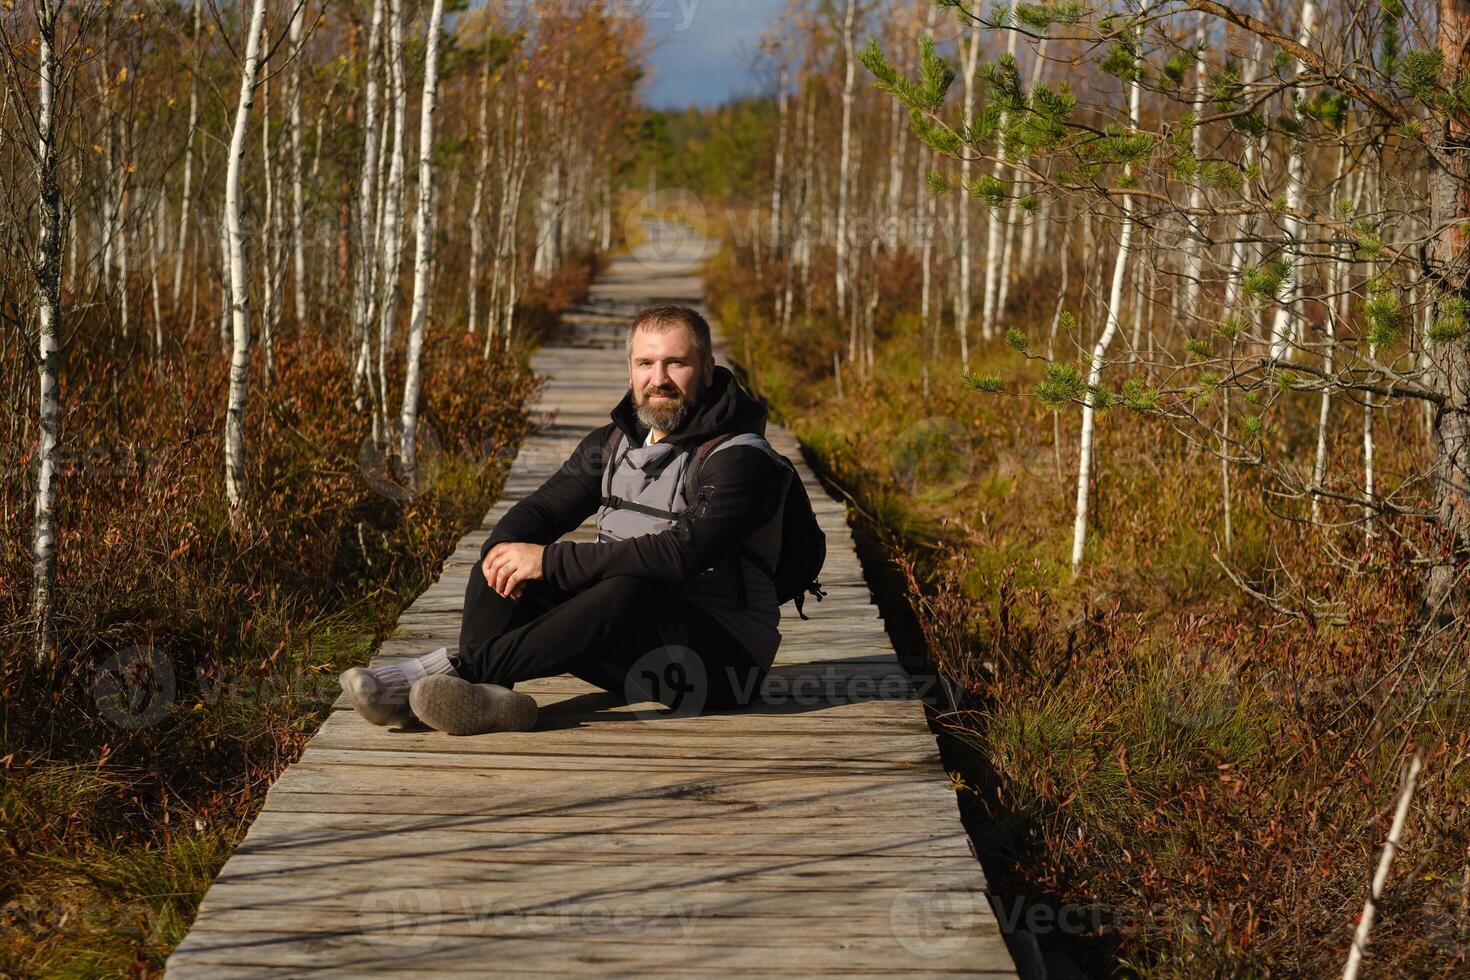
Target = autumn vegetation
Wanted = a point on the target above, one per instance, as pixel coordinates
(206, 370)
(1140, 364)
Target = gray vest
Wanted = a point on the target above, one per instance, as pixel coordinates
(648, 482)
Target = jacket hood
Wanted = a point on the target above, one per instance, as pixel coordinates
(723, 407)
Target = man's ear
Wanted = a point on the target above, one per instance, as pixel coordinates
(709, 370)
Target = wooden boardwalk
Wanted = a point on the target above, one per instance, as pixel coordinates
(812, 833)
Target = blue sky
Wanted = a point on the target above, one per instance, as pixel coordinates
(699, 46)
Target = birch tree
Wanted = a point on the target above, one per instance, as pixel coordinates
(239, 271)
(845, 160)
(998, 225)
(1285, 322)
(1194, 260)
(186, 198)
(477, 206)
(298, 195)
(969, 60)
(1110, 328)
(47, 274)
(423, 242)
(392, 217)
(365, 291)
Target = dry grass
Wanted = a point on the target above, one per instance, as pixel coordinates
(1208, 780)
(197, 658)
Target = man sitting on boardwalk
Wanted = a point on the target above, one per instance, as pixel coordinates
(674, 601)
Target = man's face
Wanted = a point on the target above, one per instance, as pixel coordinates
(667, 376)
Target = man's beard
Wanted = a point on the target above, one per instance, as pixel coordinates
(667, 416)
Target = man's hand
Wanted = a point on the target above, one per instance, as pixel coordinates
(511, 564)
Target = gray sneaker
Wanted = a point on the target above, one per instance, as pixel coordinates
(380, 694)
(456, 707)
(378, 703)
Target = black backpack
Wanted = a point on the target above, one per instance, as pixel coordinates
(803, 543)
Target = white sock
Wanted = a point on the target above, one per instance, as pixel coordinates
(397, 678)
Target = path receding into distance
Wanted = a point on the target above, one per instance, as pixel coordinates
(813, 833)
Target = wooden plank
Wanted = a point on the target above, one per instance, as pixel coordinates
(327, 834)
(656, 759)
(568, 722)
(714, 899)
(814, 829)
(435, 952)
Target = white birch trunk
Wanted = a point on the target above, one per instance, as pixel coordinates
(239, 274)
(511, 144)
(1031, 231)
(227, 305)
(187, 200)
(422, 242)
(845, 160)
(899, 142)
(392, 207)
(1234, 294)
(1284, 326)
(48, 306)
(1008, 237)
(802, 250)
(997, 228)
(477, 207)
(970, 58)
(929, 225)
(607, 209)
(791, 251)
(364, 287)
(549, 192)
(267, 224)
(274, 272)
(506, 141)
(1335, 309)
(1100, 349)
(1225, 495)
(298, 198)
(1194, 249)
(552, 191)
(155, 258)
(778, 179)
(108, 226)
(125, 311)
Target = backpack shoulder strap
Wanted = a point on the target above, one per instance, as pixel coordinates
(696, 463)
(609, 448)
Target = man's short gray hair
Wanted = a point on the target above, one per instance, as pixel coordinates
(661, 318)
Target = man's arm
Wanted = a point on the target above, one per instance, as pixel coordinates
(742, 485)
(567, 498)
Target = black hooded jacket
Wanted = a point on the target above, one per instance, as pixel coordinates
(743, 482)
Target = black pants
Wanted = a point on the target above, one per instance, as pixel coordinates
(625, 635)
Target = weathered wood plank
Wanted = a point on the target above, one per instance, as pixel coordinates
(812, 829)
